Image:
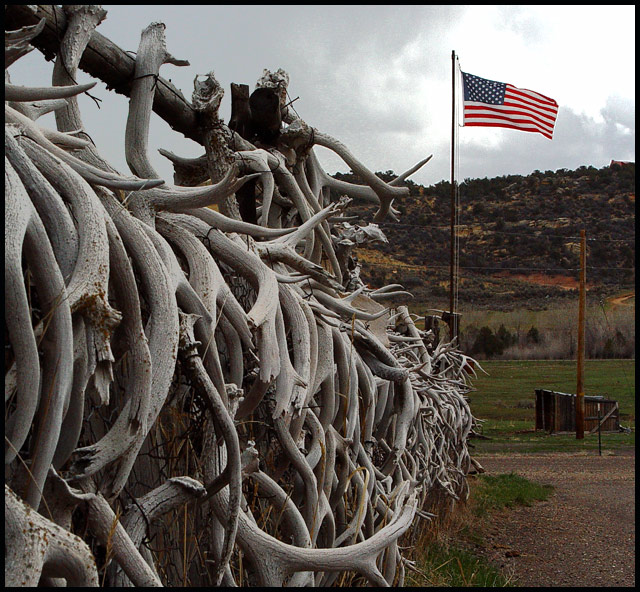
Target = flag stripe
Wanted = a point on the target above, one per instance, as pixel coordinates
(484, 119)
(508, 125)
(496, 104)
(551, 109)
(534, 96)
(507, 111)
(511, 108)
(516, 122)
(541, 114)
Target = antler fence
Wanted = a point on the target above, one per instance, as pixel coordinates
(202, 397)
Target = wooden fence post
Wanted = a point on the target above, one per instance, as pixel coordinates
(581, 326)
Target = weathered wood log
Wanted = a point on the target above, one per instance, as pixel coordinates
(240, 122)
(265, 117)
(240, 111)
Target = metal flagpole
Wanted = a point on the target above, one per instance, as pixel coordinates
(452, 323)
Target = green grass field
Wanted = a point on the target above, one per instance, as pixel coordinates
(505, 400)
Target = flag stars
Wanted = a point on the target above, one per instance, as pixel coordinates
(483, 90)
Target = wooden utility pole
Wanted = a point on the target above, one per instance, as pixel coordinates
(452, 317)
(581, 327)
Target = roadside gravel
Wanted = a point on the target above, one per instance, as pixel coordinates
(583, 535)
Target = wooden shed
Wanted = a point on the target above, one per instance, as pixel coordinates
(556, 412)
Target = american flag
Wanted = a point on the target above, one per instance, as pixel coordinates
(496, 104)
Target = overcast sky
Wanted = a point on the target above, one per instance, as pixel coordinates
(378, 78)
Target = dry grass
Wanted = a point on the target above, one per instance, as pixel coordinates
(109, 549)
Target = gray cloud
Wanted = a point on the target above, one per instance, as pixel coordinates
(527, 26)
(621, 111)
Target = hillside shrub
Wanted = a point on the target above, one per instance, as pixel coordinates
(488, 344)
(533, 335)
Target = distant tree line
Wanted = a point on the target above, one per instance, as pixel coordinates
(487, 344)
(602, 342)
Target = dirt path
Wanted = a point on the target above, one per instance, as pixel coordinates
(618, 300)
(583, 535)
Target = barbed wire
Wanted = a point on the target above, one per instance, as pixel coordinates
(493, 268)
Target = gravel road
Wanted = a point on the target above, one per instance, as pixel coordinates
(583, 535)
